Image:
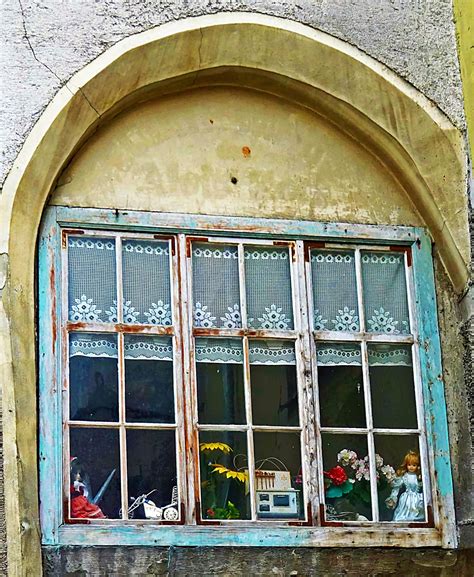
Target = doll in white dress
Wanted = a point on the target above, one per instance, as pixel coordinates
(407, 491)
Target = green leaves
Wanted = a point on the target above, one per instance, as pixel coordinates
(339, 490)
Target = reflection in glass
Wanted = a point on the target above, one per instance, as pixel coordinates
(273, 381)
(400, 487)
(346, 477)
(341, 390)
(392, 386)
(334, 291)
(278, 476)
(92, 288)
(149, 395)
(151, 460)
(216, 296)
(95, 474)
(223, 473)
(146, 282)
(268, 287)
(220, 381)
(93, 377)
(385, 292)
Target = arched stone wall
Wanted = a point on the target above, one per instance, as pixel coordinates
(418, 147)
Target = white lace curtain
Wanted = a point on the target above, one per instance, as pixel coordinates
(335, 292)
(332, 354)
(93, 286)
(216, 292)
(229, 351)
(136, 347)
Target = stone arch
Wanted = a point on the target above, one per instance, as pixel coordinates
(408, 134)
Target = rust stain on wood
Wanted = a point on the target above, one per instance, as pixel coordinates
(246, 151)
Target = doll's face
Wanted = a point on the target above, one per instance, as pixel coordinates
(412, 467)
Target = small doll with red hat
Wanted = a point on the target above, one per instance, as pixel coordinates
(82, 505)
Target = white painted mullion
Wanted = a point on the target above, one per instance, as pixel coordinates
(190, 410)
(249, 419)
(360, 285)
(305, 388)
(370, 435)
(367, 393)
(428, 495)
(242, 286)
(314, 417)
(179, 418)
(121, 379)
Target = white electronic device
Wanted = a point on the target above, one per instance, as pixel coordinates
(277, 504)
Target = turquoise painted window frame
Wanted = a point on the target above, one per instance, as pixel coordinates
(54, 532)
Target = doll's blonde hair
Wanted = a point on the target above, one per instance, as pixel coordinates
(410, 458)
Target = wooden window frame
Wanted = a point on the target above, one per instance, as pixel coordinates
(439, 530)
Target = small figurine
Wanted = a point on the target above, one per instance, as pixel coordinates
(83, 504)
(407, 492)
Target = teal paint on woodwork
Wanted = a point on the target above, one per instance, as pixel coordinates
(50, 439)
(238, 226)
(432, 379)
(50, 443)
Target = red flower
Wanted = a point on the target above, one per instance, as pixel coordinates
(210, 512)
(337, 475)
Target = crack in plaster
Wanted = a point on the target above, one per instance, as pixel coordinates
(58, 78)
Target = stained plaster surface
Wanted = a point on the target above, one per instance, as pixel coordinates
(44, 42)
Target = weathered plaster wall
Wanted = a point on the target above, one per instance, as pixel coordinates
(228, 151)
(46, 41)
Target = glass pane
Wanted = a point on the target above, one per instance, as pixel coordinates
(334, 291)
(278, 476)
(152, 483)
(385, 292)
(220, 381)
(92, 287)
(146, 282)
(273, 381)
(216, 294)
(224, 477)
(346, 477)
(341, 389)
(95, 474)
(392, 386)
(400, 487)
(269, 302)
(93, 377)
(149, 395)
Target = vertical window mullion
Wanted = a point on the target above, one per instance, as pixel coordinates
(367, 395)
(370, 439)
(190, 411)
(178, 385)
(250, 443)
(305, 382)
(423, 445)
(314, 421)
(242, 286)
(121, 378)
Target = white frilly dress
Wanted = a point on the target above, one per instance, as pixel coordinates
(410, 506)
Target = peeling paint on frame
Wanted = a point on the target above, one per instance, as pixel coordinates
(275, 534)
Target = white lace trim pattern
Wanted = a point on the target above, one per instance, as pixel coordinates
(86, 311)
(332, 258)
(346, 355)
(383, 322)
(98, 244)
(145, 349)
(215, 253)
(148, 248)
(383, 259)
